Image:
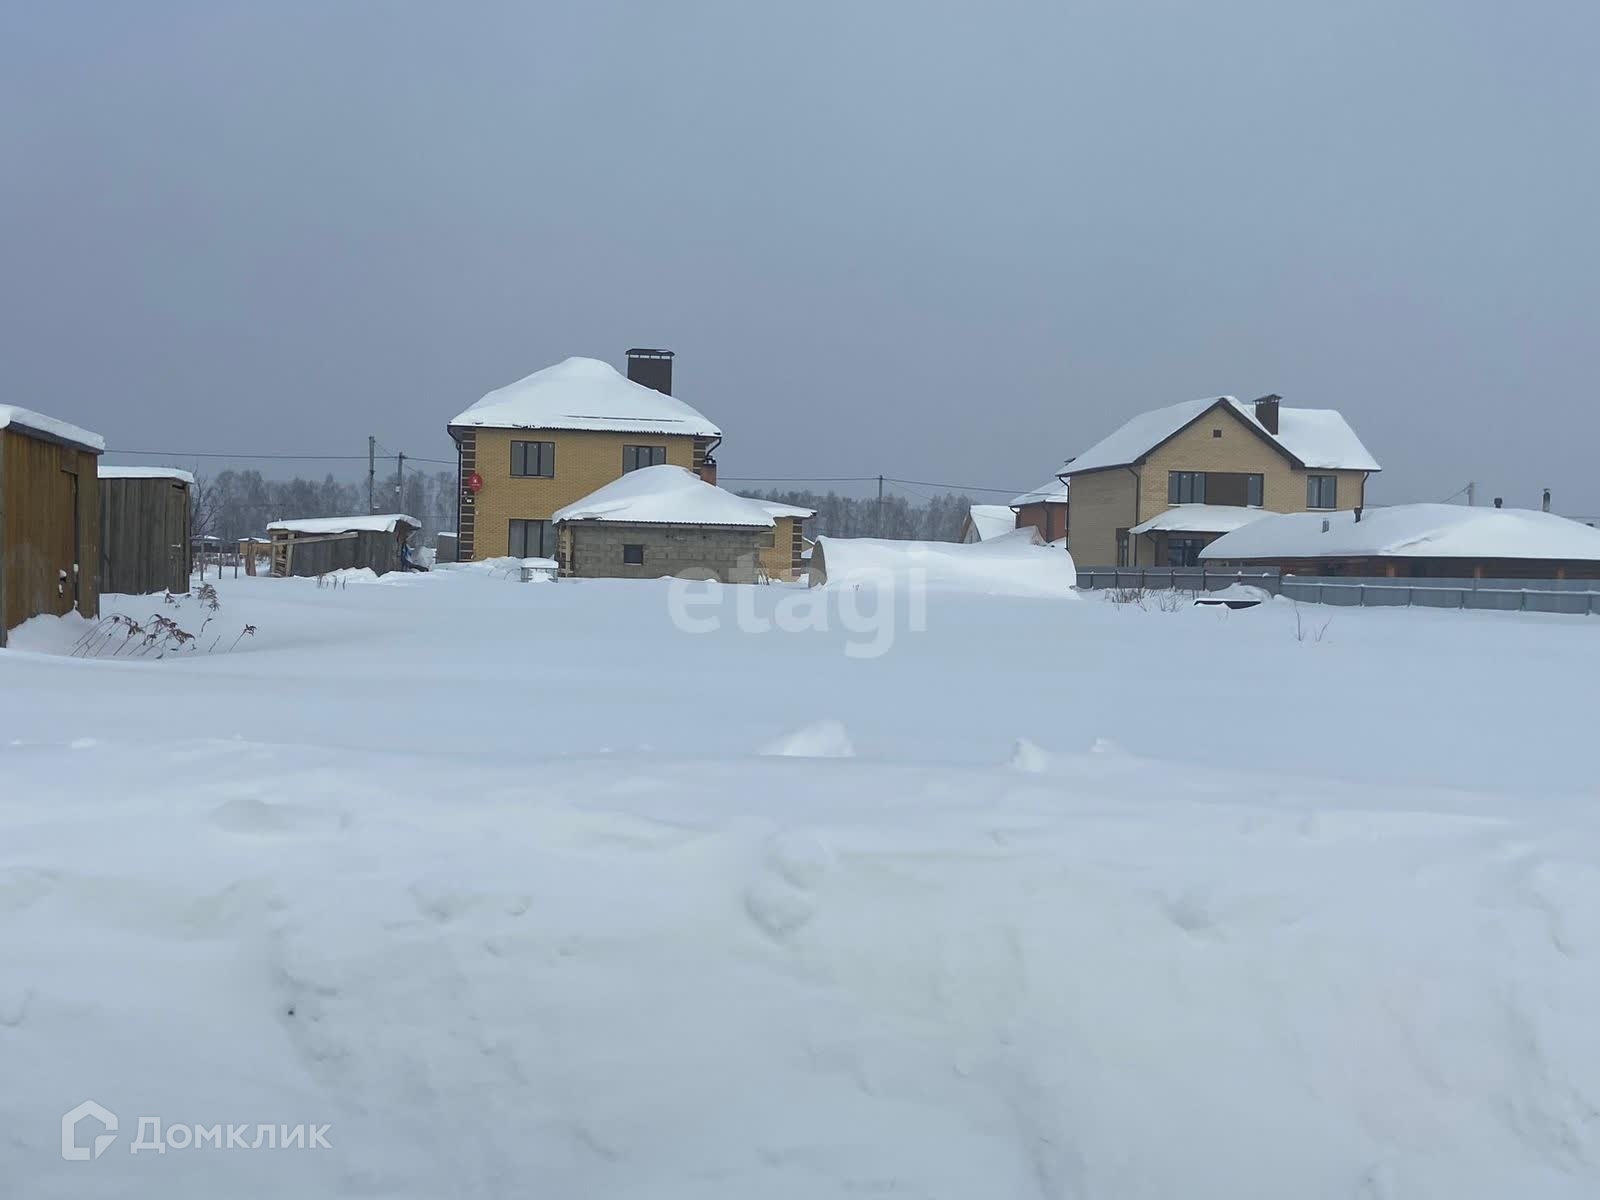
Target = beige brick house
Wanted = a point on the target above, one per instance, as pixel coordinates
(1170, 481)
(552, 438)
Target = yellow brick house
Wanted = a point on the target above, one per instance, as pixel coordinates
(546, 441)
(1168, 482)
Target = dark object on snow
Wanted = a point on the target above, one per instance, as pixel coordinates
(144, 531)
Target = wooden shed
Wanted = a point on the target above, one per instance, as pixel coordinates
(49, 517)
(318, 545)
(144, 529)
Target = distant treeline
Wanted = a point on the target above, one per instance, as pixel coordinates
(236, 504)
(935, 519)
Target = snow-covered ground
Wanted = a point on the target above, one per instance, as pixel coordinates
(525, 890)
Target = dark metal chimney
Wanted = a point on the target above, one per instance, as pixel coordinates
(653, 368)
(1267, 413)
(1544, 505)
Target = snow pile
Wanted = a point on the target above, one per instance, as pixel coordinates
(823, 739)
(27, 419)
(488, 880)
(1411, 531)
(584, 393)
(1317, 437)
(118, 471)
(364, 523)
(665, 495)
(1013, 564)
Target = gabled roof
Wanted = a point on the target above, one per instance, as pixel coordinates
(665, 495)
(1412, 531)
(991, 520)
(1313, 437)
(1052, 491)
(584, 393)
(364, 523)
(1201, 518)
(50, 428)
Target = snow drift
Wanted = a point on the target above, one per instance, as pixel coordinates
(496, 881)
(1014, 564)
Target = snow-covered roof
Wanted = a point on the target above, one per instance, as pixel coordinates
(1412, 531)
(117, 471)
(1054, 491)
(666, 495)
(1201, 518)
(774, 509)
(991, 520)
(1314, 437)
(27, 419)
(372, 523)
(585, 393)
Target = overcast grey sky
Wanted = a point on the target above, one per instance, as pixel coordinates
(953, 242)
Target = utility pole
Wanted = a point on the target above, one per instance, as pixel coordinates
(880, 506)
(372, 470)
(1472, 494)
(399, 482)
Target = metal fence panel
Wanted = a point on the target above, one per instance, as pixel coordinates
(1573, 596)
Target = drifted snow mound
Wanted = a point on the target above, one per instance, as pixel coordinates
(823, 739)
(1014, 564)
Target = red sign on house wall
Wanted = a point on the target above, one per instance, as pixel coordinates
(474, 483)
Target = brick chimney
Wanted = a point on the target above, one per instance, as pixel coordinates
(1267, 413)
(653, 368)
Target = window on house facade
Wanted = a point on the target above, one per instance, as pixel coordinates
(633, 554)
(532, 539)
(533, 459)
(1216, 433)
(1122, 547)
(1184, 551)
(769, 538)
(1255, 488)
(1322, 491)
(1186, 487)
(634, 457)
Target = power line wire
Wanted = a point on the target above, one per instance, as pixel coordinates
(446, 462)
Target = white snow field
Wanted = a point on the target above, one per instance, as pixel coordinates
(527, 891)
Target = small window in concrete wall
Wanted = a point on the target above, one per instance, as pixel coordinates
(633, 555)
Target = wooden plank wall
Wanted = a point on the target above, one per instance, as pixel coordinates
(144, 535)
(380, 551)
(36, 527)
